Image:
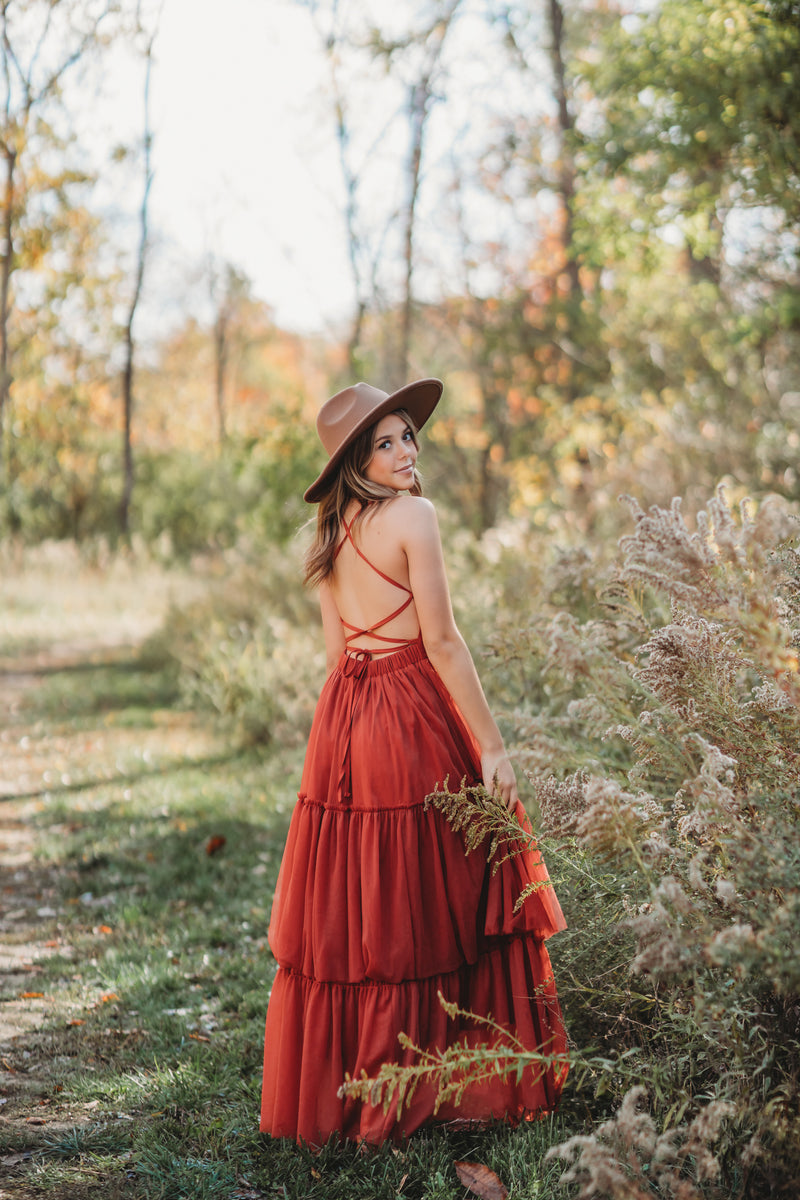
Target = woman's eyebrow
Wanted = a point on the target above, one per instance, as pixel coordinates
(384, 436)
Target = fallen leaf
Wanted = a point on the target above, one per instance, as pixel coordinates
(479, 1180)
(35, 1121)
(198, 1037)
(214, 844)
(12, 1160)
(76, 1021)
(31, 995)
(105, 929)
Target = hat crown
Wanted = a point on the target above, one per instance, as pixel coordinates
(346, 411)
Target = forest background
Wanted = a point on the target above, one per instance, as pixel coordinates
(584, 218)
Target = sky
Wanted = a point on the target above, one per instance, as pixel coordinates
(246, 161)
(246, 165)
(244, 152)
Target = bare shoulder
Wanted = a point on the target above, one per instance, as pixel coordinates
(413, 517)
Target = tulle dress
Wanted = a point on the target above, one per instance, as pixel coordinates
(378, 910)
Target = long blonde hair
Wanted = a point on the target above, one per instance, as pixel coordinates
(349, 483)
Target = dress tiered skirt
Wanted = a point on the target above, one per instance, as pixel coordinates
(378, 909)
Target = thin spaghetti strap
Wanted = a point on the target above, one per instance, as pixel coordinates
(349, 536)
(394, 643)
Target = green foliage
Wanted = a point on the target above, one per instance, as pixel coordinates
(245, 650)
(185, 503)
(701, 103)
(67, 484)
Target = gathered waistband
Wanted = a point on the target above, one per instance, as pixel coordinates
(361, 663)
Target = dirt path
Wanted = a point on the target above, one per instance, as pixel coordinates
(33, 759)
(28, 890)
(54, 635)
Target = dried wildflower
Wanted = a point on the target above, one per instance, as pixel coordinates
(613, 818)
(751, 1152)
(626, 732)
(725, 891)
(712, 803)
(591, 711)
(660, 949)
(670, 890)
(730, 942)
(627, 1159)
(691, 649)
(705, 1128)
(566, 647)
(663, 554)
(486, 823)
(769, 699)
(491, 1050)
(694, 873)
(655, 847)
(561, 802)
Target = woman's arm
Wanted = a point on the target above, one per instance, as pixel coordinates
(331, 627)
(445, 646)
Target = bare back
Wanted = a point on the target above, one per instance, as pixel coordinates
(367, 590)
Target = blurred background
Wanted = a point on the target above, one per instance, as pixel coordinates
(583, 216)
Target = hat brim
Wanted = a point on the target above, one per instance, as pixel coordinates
(419, 399)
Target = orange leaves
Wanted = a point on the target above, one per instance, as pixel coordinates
(479, 1180)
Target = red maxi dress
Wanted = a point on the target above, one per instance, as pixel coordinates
(378, 909)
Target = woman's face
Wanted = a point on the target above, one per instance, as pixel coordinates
(394, 454)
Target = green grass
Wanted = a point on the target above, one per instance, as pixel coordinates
(146, 1068)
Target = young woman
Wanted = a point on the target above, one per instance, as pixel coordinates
(378, 910)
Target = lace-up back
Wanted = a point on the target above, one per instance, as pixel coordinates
(392, 643)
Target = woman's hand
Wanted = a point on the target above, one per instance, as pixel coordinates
(499, 777)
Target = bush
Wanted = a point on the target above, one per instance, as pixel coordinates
(661, 728)
(246, 651)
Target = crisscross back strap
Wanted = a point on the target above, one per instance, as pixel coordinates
(393, 643)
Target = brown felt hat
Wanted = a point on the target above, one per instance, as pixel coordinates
(351, 411)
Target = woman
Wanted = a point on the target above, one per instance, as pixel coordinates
(378, 909)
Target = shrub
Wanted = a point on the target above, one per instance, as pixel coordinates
(246, 651)
(661, 729)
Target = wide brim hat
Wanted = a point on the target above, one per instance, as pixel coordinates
(355, 408)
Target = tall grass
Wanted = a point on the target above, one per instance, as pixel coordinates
(652, 698)
(660, 723)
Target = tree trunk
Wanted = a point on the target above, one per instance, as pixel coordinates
(418, 111)
(141, 256)
(5, 279)
(127, 431)
(220, 371)
(566, 124)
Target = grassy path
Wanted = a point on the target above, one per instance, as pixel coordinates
(138, 852)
